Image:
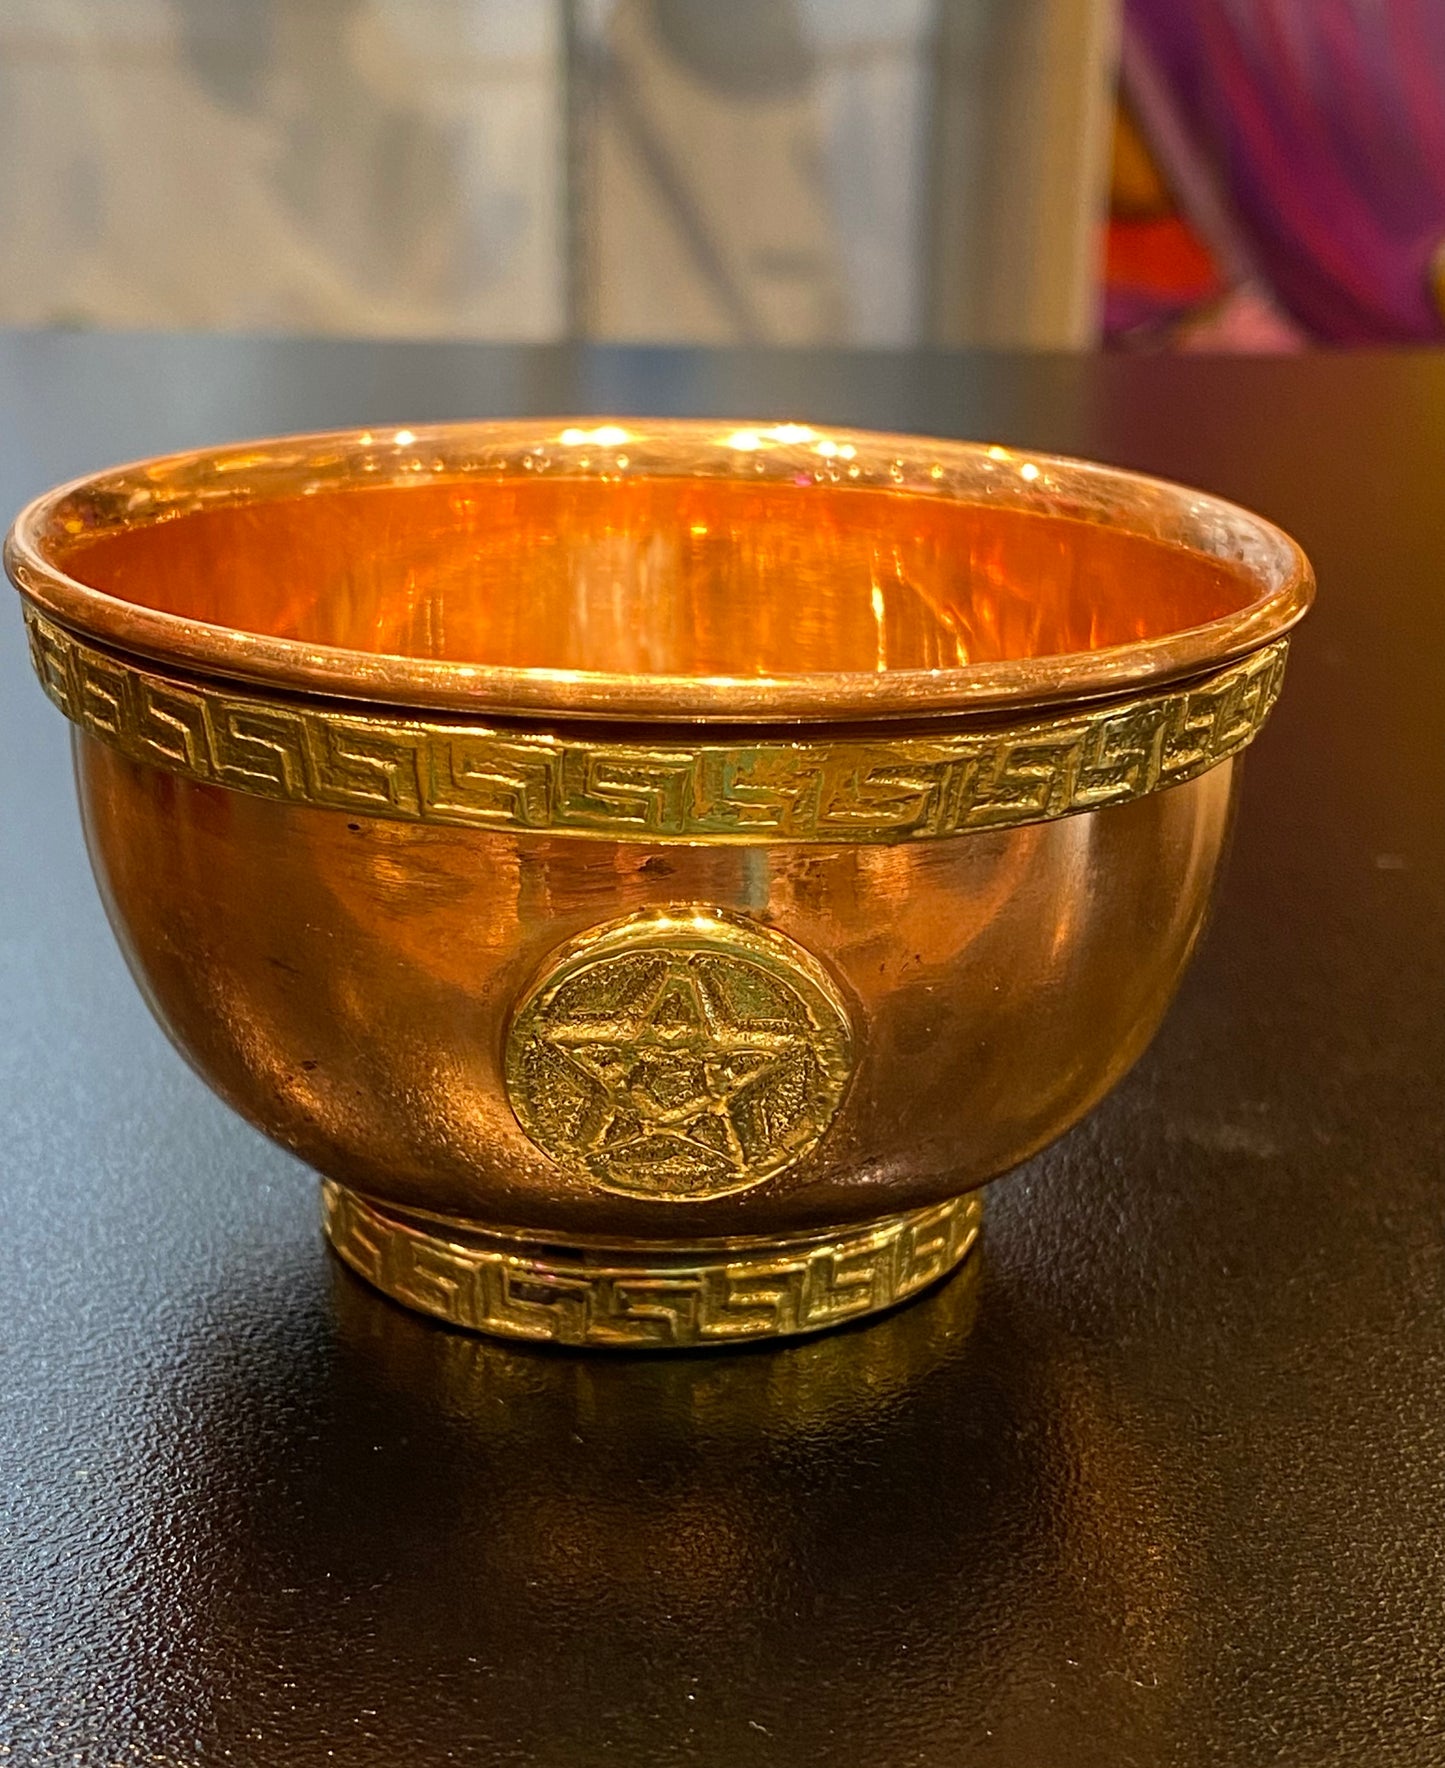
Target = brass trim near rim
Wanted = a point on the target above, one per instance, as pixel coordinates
(649, 1296)
(884, 786)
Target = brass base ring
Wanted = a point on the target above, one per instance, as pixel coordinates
(643, 1297)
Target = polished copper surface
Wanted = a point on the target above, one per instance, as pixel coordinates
(676, 1035)
(680, 570)
(348, 983)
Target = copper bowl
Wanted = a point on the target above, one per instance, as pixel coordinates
(655, 872)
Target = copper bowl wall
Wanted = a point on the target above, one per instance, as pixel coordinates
(655, 872)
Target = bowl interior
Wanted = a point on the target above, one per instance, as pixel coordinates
(658, 571)
(665, 576)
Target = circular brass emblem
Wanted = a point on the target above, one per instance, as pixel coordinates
(679, 1054)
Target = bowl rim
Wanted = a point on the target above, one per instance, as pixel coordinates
(144, 491)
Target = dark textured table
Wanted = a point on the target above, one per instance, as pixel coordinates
(1163, 1481)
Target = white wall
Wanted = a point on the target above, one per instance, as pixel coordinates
(850, 171)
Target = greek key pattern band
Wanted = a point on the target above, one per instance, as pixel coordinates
(645, 1300)
(876, 788)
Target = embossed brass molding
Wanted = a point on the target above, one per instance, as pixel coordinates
(654, 872)
(790, 788)
(679, 1054)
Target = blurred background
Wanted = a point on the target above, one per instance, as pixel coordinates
(1152, 174)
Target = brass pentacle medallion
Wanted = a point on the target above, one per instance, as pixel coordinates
(679, 1054)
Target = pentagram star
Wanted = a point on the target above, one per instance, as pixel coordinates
(689, 1088)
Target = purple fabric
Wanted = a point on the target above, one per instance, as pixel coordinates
(1323, 122)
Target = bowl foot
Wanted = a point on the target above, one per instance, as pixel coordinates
(646, 1297)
